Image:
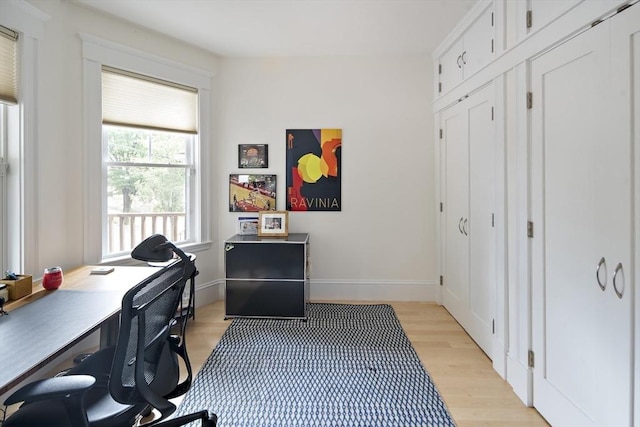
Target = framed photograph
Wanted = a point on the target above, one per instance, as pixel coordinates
(247, 225)
(253, 156)
(252, 193)
(273, 224)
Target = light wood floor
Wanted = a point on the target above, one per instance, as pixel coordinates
(474, 393)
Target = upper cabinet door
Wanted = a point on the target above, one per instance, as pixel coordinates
(478, 43)
(473, 48)
(450, 67)
(545, 11)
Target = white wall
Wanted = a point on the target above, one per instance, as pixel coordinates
(60, 149)
(382, 244)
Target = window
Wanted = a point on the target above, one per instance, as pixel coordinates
(18, 130)
(146, 150)
(149, 131)
(8, 97)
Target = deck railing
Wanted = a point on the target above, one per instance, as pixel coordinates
(126, 230)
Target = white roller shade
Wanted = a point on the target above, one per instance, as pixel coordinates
(130, 99)
(8, 65)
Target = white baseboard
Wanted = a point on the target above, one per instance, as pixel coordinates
(340, 290)
(368, 290)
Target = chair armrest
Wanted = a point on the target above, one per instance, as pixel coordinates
(52, 388)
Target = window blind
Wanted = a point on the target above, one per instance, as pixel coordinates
(8, 65)
(130, 99)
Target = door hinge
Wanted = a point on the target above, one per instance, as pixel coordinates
(439, 87)
(493, 326)
(441, 206)
(492, 114)
(440, 133)
(439, 68)
(529, 100)
(531, 359)
(441, 281)
(529, 19)
(529, 228)
(492, 19)
(4, 167)
(491, 45)
(493, 223)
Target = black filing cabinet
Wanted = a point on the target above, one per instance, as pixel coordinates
(267, 277)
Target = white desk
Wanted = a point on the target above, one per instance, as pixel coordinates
(45, 325)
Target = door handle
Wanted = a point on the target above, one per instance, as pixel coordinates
(464, 62)
(600, 264)
(464, 226)
(460, 225)
(458, 61)
(619, 292)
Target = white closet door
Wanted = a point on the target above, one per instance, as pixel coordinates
(469, 187)
(581, 209)
(480, 227)
(454, 145)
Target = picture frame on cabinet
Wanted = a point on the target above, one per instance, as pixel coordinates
(273, 223)
(253, 156)
(252, 193)
(247, 225)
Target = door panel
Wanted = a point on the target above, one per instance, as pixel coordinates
(481, 208)
(469, 188)
(456, 209)
(581, 207)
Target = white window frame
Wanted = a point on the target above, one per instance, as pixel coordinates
(97, 52)
(20, 241)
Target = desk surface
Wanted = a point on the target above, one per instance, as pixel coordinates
(41, 327)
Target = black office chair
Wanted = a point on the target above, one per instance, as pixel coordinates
(115, 385)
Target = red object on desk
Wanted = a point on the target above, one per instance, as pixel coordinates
(52, 278)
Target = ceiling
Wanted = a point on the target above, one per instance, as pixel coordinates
(265, 28)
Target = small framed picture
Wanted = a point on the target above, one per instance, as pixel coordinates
(247, 225)
(273, 223)
(253, 156)
(252, 193)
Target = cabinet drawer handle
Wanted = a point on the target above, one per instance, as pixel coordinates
(464, 227)
(458, 61)
(464, 61)
(600, 264)
(228, 247)
(619, 292)
(460, 226)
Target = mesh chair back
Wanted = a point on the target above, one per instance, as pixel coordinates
(144, 367)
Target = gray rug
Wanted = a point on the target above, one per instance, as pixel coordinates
(347, 365)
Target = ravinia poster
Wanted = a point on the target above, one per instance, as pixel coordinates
(314, 169)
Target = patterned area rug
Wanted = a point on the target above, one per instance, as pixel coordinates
(347, 365)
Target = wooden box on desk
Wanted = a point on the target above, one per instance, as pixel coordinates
(19, 288)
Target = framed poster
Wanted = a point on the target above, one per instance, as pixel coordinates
(273, 224)
(253, 156)
(252, 193)
(314, 169)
